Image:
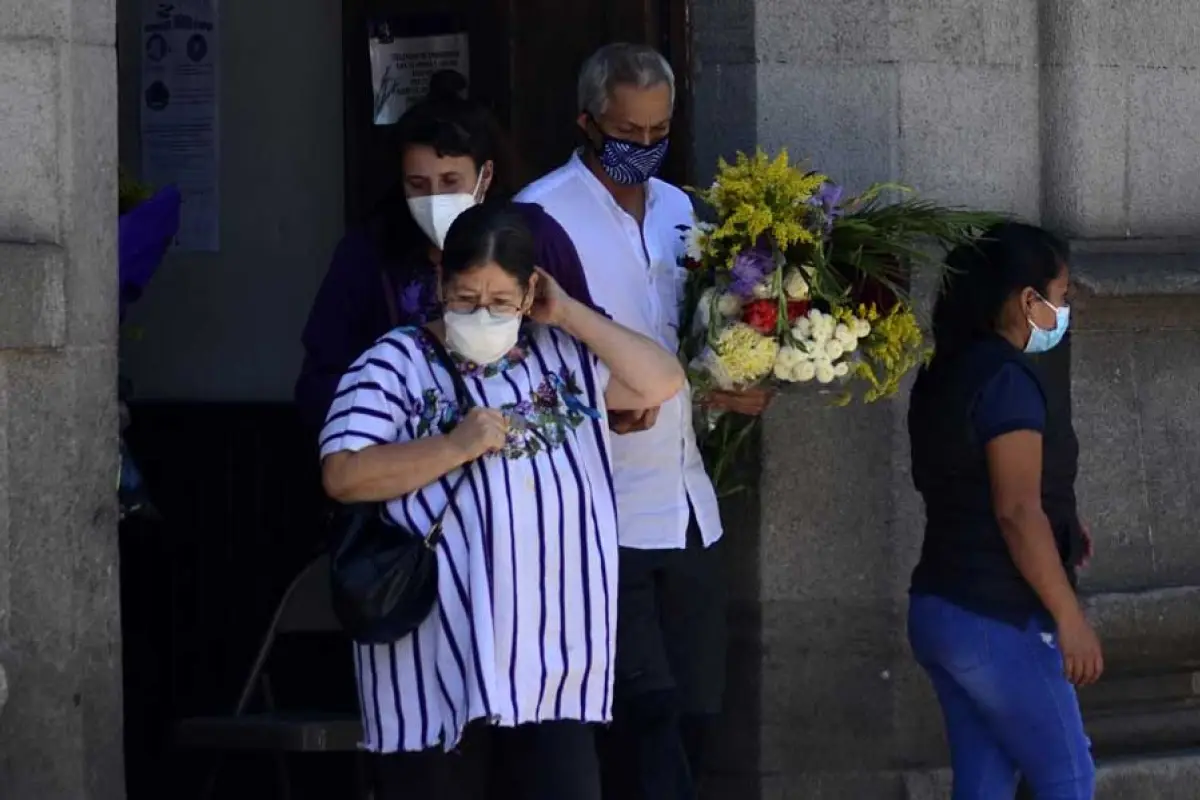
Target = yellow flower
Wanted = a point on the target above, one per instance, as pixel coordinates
(746, 355)
(894, 347)
(756, 196)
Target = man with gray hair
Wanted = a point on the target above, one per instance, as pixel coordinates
(628, 228)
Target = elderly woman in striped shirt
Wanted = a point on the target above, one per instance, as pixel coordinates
(524, 631)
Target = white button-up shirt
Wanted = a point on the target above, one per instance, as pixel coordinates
(634, 274)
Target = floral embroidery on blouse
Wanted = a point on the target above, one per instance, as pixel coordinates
(435, 413)
(470, 369)
(539, 423)
(542, 421)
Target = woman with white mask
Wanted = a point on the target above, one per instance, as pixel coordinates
(453, 156)
(522, 638)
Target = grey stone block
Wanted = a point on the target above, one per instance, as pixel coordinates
(61, 731)
(1111, 490)
(83, 21)
(1138, 268)
(29, 129)
(1085, 147)
(975, 32)
(1157, 629)
(841, 117)
(821, 33)
(954, 120)
(1167, 374)
(32, 301)
(724, 32)
(724, 97)
(90, 195)
(3, 688)
(1163, 778)
(1164, 143)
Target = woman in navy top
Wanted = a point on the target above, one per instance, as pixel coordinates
(382, 274)
(994, 618)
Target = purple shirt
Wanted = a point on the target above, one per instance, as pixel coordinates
(351, 311)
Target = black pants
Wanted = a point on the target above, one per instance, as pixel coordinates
(670, 671)
(547, 761)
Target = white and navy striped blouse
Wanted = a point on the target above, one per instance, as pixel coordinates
(526, 617)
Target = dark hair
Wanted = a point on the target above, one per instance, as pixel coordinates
(982, 275)
(493, 231)
(452, 125)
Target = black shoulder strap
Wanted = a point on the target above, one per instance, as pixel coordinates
(462, 394)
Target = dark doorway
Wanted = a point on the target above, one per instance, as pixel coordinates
(524, 58)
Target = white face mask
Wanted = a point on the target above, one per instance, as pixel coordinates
(435, 213)
(480, 336)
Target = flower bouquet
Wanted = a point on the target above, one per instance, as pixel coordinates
(796, 283)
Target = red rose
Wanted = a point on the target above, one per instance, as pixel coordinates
(691, 264)
(762, 315)
(797, 309)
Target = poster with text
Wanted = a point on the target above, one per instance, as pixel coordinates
(180, 133)
(401, 67)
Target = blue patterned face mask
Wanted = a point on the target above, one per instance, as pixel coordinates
(1041, 341)
(630, 163)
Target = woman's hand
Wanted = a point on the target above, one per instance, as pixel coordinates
(1083, 663)
(482, 431)
(748, 402)
(550, 302)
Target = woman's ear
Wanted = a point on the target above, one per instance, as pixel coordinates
(532, 292)
(486, 174)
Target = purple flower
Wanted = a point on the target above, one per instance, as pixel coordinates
(828, 199)
(749, 269)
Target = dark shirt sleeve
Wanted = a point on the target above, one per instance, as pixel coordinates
(348, 315)
(556, 253)
(1009, 401)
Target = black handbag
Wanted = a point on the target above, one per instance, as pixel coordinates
(384, 576)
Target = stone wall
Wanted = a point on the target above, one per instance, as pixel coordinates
(1074, 113)
(60, 731)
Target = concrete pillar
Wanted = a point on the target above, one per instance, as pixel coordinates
(60, 733)
(1076, 113)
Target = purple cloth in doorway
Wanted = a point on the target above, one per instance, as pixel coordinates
(143, 235)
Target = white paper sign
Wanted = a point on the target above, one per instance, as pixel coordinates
(400, 69)
(180, 133)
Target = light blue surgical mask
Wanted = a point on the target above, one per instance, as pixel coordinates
(1041, 341)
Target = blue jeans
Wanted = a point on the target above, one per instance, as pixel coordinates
(1009, 709)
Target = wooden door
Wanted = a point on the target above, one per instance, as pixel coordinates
(525, 57)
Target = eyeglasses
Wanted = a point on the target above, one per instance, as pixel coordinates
(460, 306)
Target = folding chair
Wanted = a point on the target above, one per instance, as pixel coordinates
(304, 608)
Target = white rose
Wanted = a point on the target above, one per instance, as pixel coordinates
(729, 306)
(842, 370)
(795, 286)
(804, 372)
(843, 334)
(849, 346)
(802, 329)
(789, 357)
(763, 290)
(862, 328)
(833, 349)
(822, 329)
(824, 372)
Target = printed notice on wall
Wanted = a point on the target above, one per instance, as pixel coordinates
(401, 67)
(180, 134)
